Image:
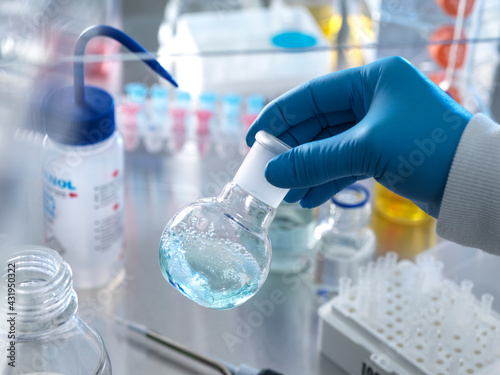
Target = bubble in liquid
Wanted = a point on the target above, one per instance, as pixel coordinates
(217, 273)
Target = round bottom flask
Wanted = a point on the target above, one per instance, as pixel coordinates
(216, 251)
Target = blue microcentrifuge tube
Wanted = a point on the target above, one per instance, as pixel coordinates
(255, 104)
(231, 113)
(136, 92)
(159, 99)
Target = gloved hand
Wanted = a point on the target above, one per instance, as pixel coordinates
(384, 120)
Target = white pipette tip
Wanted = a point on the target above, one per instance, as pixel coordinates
(466, 287)
(455, 364)
(439, 266)
(380, 265)
(489, 350)
(471, 338)
(433, 354)
(496, 343)
(391, 259)
(361, 274)
(443, 327)
(486, 304)
(344, 288)
(425, 260)
(370, 270)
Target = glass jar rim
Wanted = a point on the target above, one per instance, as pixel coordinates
(43, 286)
(359, 190)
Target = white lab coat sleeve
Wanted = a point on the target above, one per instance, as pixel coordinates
(470, 209)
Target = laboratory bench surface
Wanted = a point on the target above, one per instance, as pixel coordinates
(276, 329)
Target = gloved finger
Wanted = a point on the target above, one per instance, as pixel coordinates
(331, 93)
(330, 132)
(317, 162)
(318, 195)
(311, 128)
(295, 195)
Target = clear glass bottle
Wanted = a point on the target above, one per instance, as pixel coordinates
(346, 241)
(292, 238)
(48, 336)
(216, 251)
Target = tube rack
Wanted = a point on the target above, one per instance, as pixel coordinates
(406, 318)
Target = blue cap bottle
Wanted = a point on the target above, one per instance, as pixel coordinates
(83, 170)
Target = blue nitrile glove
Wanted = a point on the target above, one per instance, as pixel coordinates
(384, 120)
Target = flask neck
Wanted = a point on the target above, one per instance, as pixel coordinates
(245, 208)
(45, 299)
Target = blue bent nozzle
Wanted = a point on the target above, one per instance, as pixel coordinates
(119, 36)
(83, 115)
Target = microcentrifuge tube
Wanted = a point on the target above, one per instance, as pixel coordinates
(254, 104)
(179, 115)
(231, 111)
(130, 129)
(136, 92)
(159, 100)
(204, 118)
(205, 115)
(155, 134)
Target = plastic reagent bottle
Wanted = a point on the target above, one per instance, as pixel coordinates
(50, 337)
(83, 183)
(216, 251)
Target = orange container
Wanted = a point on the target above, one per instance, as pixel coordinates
(450, 7)
(441, 52)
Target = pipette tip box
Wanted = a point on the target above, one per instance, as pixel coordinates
(406, 318)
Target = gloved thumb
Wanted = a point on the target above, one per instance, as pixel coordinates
(317, 162)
